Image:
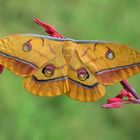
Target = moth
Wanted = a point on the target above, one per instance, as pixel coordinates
(80, 69)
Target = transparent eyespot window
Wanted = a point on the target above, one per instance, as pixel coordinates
(82, 74)
(110, 55)
(27, 47)
(48, 71)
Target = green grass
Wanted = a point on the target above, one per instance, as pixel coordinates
(27, 117)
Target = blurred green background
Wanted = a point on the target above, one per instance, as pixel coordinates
(27, 117)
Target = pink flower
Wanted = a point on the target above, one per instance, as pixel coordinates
(115, 103)
(118, 101)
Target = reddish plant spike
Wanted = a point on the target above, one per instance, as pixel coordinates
(113, 105)
(113, 100)
(1, 68)
(48, 28)
(118, 101)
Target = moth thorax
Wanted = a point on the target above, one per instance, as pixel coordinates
(67, 53)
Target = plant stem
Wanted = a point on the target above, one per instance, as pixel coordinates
(129, 88)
